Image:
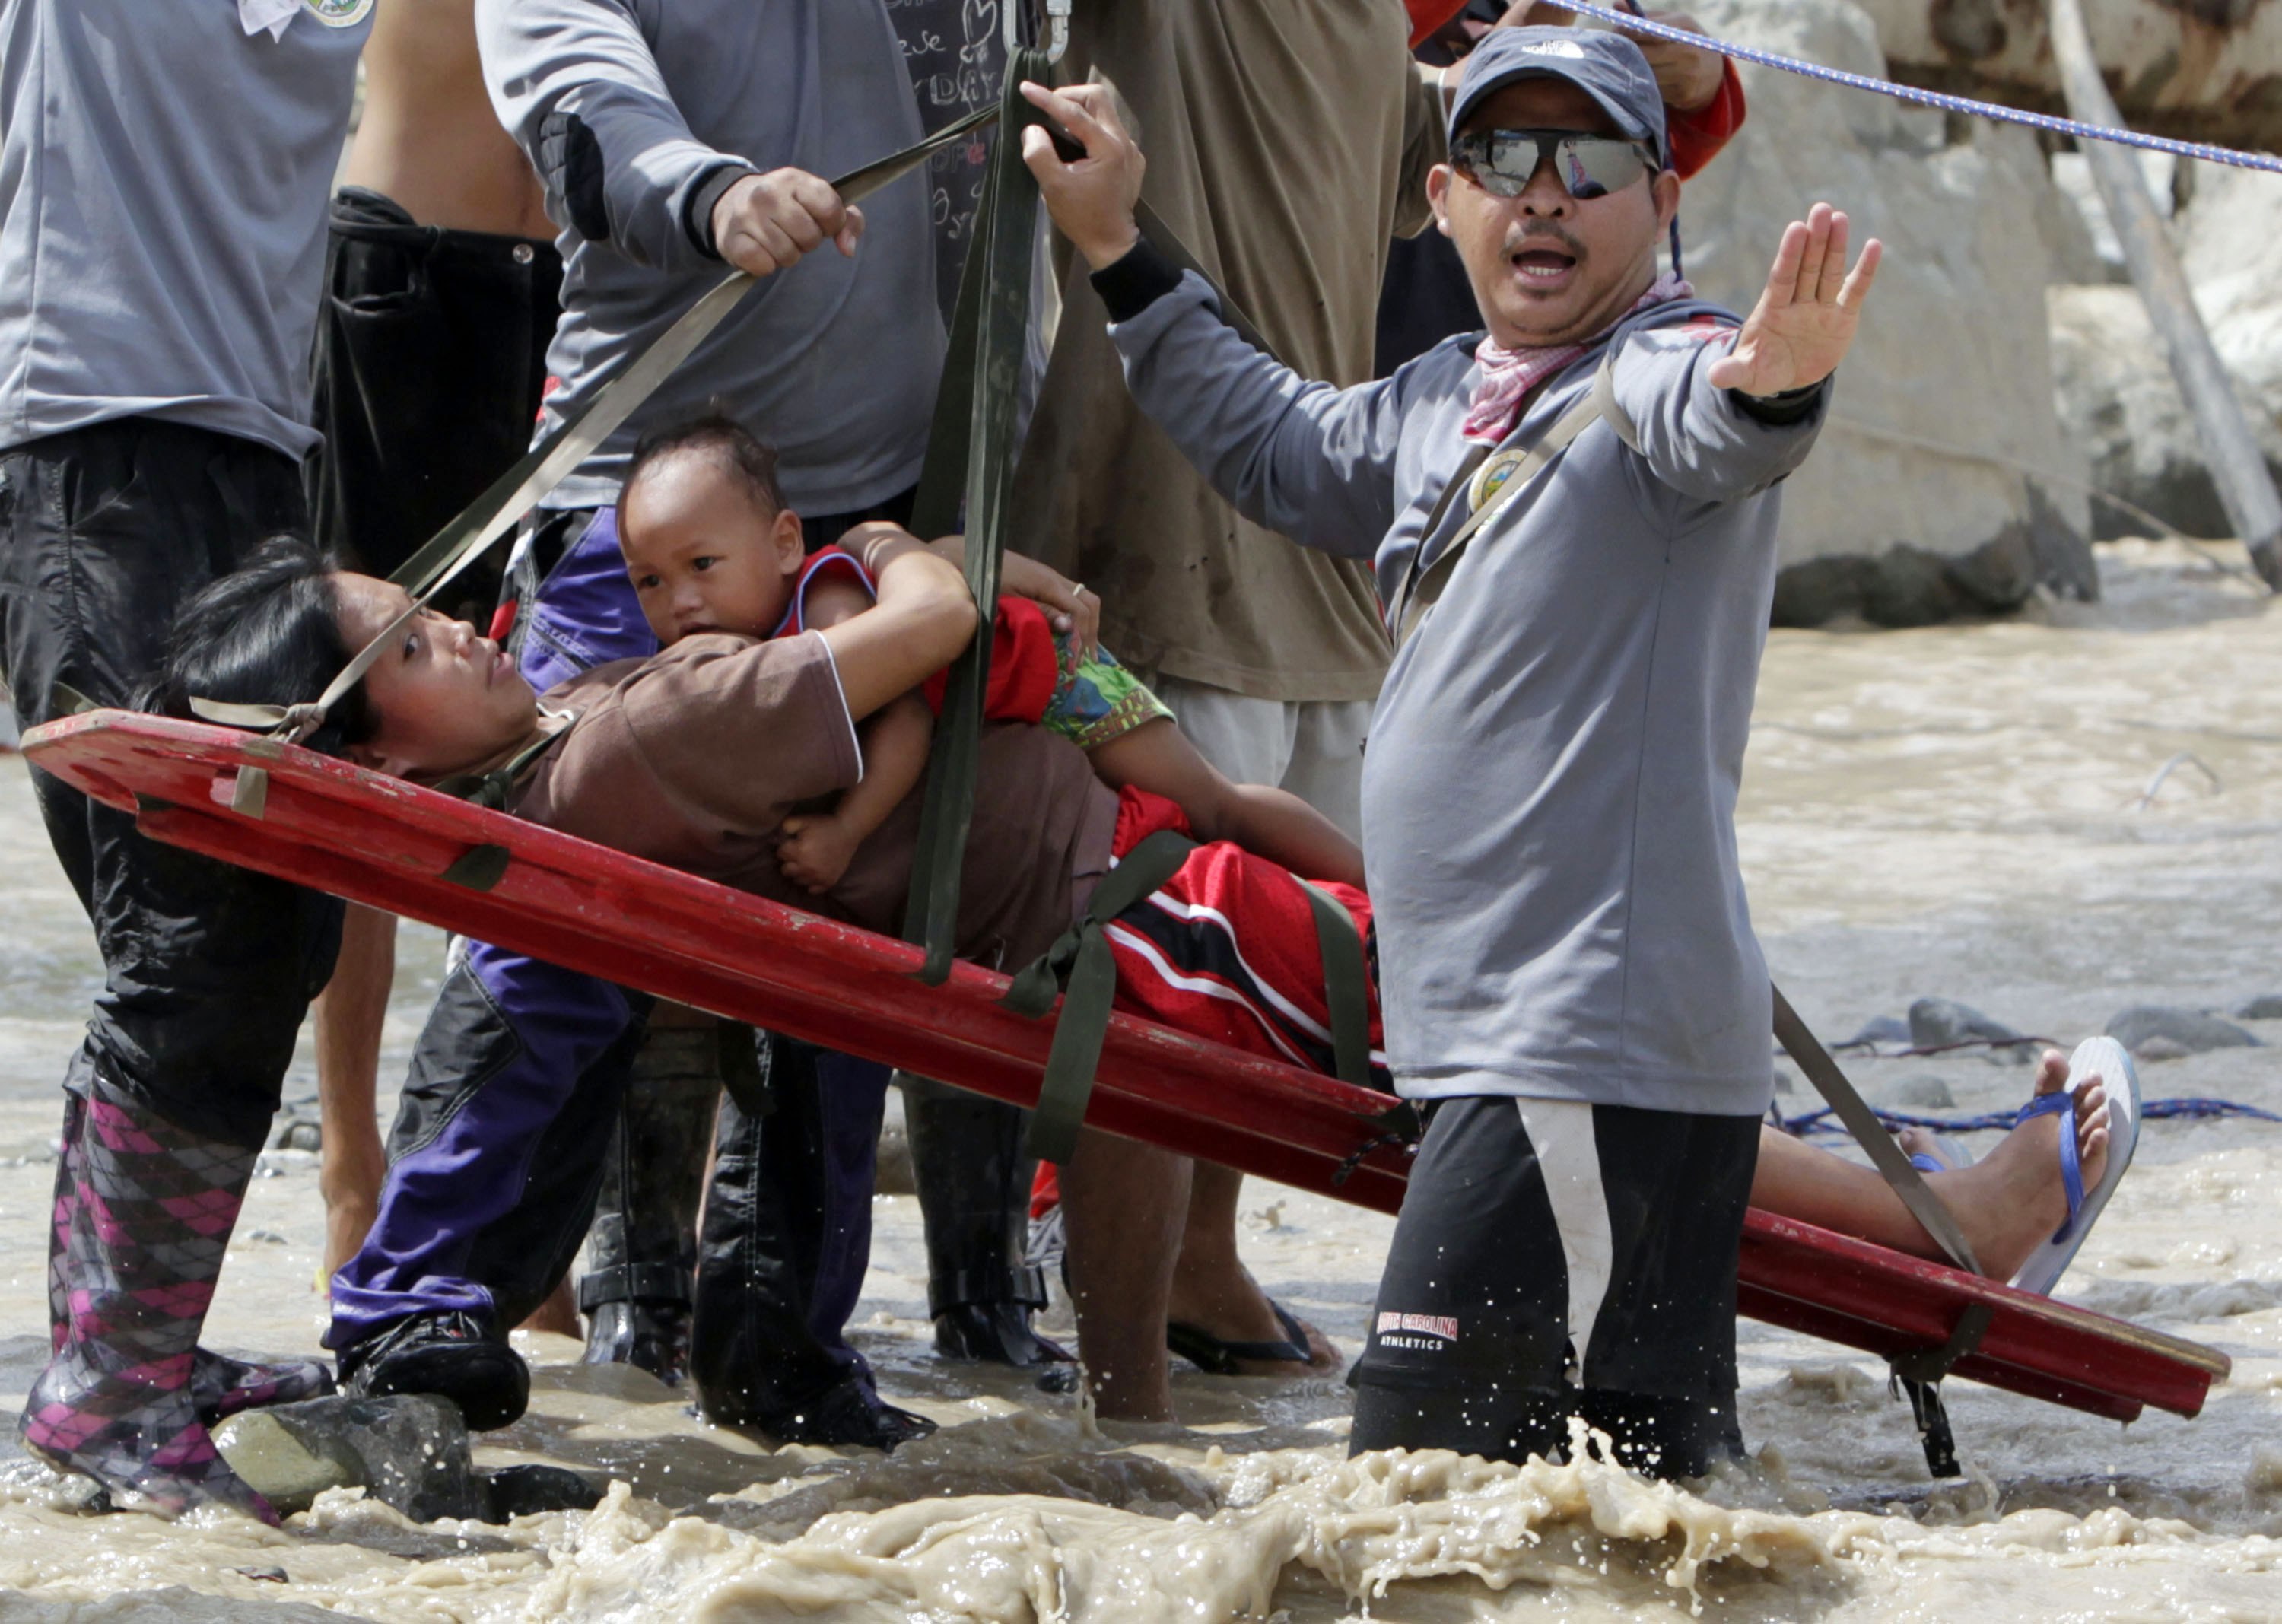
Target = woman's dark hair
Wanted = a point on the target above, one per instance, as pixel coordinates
(716, 434)
(268, 634)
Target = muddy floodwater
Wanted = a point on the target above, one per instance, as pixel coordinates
(1961, 811)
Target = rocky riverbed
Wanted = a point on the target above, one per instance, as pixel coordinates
(1961, 813)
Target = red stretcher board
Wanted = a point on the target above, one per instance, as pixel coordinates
(381, 841)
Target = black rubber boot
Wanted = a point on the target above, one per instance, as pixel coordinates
(455, 1355)
(849, 1414)
(638, 1289)
(974, 1195)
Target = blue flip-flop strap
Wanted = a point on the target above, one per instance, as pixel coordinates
(2071, 1168)
(1926, 1164)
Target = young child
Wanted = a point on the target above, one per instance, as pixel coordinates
(711, 547)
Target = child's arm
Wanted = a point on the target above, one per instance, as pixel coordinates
(817, 848)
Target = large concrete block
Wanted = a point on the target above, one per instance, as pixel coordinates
(1943, 484)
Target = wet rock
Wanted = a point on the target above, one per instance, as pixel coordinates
(527, 1490)
(297, 1126)
(2265, 1006)
(2164, 1031)
(1881, 1028)
(409, 1451)
(1934, 1023)
(289, 1470)
(1921, 1092)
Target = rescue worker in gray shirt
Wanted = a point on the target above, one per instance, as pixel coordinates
(676, 141)
(163, 171)
(1570, 983)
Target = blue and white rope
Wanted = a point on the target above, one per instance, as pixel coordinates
(1635, 24)
(1825, 1120)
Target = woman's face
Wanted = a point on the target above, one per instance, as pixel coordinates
(447, 699)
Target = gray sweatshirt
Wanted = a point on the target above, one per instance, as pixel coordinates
(163, 178)
(637, 114)
(1549, 792)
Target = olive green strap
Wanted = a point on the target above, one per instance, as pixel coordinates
(1081, 966)
(990, 326)
(493, 789)
(1892, 1162)
(1346, 986)
(520, 488)
(1420, 588)
(1081, 969)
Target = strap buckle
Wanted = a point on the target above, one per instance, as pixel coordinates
(1058, 22)
(635, 1283)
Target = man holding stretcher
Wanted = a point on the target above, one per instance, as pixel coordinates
(1573, 522)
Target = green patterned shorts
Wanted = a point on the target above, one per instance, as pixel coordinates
(1096, 700)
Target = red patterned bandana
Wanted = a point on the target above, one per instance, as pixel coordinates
(1504, 377)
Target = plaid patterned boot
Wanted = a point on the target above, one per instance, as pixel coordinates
(220, 1386)
(144, 1211)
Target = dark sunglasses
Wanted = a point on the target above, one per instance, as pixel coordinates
(1502, 161)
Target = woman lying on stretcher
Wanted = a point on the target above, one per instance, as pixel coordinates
(695, 758)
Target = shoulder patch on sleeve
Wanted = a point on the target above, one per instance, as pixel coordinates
(568, 147)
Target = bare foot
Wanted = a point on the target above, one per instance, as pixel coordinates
(1228, 1303)
(2012, 1198)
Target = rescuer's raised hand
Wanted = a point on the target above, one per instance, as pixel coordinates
(1799, 331)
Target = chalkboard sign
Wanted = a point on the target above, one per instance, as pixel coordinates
(957, 53)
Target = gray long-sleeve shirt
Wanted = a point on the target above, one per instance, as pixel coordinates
(163, 178)
(1549, 789)
(629, 108)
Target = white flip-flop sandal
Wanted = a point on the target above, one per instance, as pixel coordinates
(2106, 1058)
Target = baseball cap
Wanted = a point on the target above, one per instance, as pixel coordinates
(1607, 67)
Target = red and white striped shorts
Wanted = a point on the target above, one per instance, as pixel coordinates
(1226, 949)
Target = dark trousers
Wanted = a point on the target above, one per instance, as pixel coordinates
(430, 362)
(787, 1234)
(207, 968)
(1477, 1344)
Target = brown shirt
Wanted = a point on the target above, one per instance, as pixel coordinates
(1288, 141)
(693, 758)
